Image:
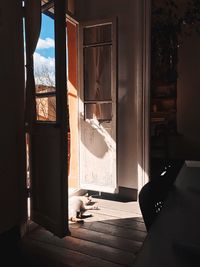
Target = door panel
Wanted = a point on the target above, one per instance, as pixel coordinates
(98, 108)
(47, 127)
(72, 43)
(97, 73)
(46, 188)
(98, 157)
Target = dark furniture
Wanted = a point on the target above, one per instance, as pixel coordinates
(174, 237)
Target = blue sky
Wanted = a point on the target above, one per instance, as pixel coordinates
(44, 56)
(46, 37)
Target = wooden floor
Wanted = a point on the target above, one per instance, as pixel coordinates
(111, 237)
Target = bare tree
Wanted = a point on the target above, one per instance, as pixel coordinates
(45, 102)
(44, 76)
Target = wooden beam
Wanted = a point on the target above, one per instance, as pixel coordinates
(48, 5)
(61, 91)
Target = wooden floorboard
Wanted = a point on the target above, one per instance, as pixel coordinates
(114, 230)
(128, 223)
(112, 237)
(94, 249)
(117, 213)
(130, 207)
(41, 254)
(110, 241)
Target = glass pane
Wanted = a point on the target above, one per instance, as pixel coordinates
(44, 56)
(98, 111)
(97, 73)
(97, 34)
(46, 108)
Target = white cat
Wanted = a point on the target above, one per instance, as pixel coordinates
(78, 205)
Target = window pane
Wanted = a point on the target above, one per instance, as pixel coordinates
(44, 56)
(97, 73)
(46, 108)
(98, 111)
(97, 34)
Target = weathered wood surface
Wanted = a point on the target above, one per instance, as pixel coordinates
(111, 237)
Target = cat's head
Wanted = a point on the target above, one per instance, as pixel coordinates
(88, 199)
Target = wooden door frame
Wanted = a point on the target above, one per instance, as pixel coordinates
(71, 20)
(143, 109)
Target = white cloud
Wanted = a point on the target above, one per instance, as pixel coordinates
(44, 68)
(45, 43)
(41, 60)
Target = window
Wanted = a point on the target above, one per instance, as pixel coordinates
(97, 59)
(44, 68)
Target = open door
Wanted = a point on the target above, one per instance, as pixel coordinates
(97, 109)
(46, 122)
(72, 85)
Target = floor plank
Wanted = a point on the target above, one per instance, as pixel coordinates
(117, 213)
(130, 207)
(111, 241)
(94, 249)
(128, 223)
(47, 255)
(112, 237)
(114, 230)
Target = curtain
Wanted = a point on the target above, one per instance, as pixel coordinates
(32, 32)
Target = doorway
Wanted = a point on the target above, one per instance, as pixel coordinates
(97, 109)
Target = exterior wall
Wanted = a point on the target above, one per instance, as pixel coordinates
(188, 108)
(11, 109)
(130, 60)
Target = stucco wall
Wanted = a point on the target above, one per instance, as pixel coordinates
(188, 101)
(11, 110)
(129, 14)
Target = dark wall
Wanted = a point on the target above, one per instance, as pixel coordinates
(12, 112)
(188, 101)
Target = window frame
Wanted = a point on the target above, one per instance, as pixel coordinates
(113, 61)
